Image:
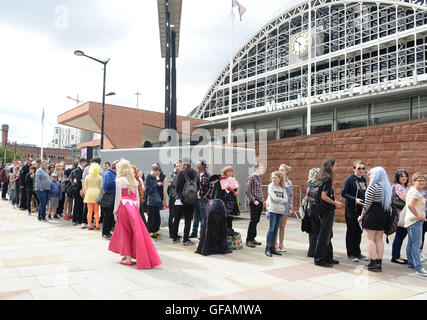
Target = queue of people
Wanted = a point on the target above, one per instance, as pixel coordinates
(119, 196)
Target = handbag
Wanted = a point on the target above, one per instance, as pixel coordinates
(71, 188)
(402, 217)
(396, 202)
(105, 199)
(164, 218)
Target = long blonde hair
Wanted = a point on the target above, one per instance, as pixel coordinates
(124, 169)
(279, 174)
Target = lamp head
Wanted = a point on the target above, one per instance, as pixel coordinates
(110, 94)
(79, 53)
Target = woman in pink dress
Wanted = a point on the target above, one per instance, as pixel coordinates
(130, 238)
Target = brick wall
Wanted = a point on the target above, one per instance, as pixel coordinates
(56, 155)
(392, 146)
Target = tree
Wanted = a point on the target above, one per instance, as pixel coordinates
(10, 155)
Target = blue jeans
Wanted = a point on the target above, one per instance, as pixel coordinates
(413, 251)
(199, 216)
(15, 195)
(401, 234)
(42, 195)
(275, 220)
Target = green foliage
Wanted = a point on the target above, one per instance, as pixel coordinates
(10, 155)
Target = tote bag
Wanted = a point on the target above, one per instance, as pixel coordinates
(402, 217)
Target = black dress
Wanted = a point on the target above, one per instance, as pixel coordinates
(214, 239)
(230, 202)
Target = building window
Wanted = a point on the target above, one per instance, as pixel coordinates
(390, 111)
(321, 121)
(352, 117)
(291, 126)
(270, 126)
(419, 107)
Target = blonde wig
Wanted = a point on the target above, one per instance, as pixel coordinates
(124, 169)
(94, 169)
(226, 169)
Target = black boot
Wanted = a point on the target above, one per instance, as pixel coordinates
(268, 252)
(372, 266)
(379, 265)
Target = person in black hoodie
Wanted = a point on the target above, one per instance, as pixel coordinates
(353, 191)
(78, 200)
(22, 175)
(180, 209)
(29, 187)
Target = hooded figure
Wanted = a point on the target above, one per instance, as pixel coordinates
(214, 238)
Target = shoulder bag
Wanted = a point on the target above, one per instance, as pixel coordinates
(105, 199)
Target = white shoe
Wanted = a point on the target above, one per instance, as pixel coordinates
(422, 272)
(84, 226)
(423, 256)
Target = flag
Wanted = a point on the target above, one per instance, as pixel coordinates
(242, 9)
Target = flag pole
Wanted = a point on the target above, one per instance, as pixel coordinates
(41, 151)
(230, 95)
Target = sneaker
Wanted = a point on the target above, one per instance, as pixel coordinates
(354, 259)
(363, 258)
(423, 256)
(50, 218)
(422, 272)
(281, 248)
(56, 216)
(158, 236)
(257, 243)
(29, 213)
(193, 235)
(176, 241)
(84, 225)
(188, 243)
(250, 244)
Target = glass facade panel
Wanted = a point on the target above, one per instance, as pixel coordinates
(390, 111)
(322, 121)
(419, 107)
(291, 126)
(352, 117)
(270, 125)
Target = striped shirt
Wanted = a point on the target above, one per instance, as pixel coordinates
(373, 195)
(254, 188)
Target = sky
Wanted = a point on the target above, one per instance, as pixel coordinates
(39, 69)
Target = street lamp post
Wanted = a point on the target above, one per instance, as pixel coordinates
(81, 54)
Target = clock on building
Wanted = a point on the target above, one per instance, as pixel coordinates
(299, 44)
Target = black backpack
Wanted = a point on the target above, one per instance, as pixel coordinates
(392, 222)
(189, 192)
(314, 196)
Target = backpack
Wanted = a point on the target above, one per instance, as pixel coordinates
(189, 193)
(314, 196)
(392, 222)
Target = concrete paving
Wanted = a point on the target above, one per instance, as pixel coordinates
(55, 260)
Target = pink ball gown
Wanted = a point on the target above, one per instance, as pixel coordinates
(130, 237)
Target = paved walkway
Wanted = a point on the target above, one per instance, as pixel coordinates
(54, 260)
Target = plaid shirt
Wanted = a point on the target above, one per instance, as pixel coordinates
(254, 188)
(205, 190)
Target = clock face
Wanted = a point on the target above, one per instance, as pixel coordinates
(299, 44)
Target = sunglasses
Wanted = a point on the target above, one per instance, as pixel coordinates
(361, 168)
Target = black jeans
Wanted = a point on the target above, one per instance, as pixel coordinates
(324, 251)
(171, 215)
(315, 228)
(23, 202)
(354, 233)
(109, 221)
(78, 210)
(187, 212)
(255, 217)
(29, 196)
(153, 223)
(4, 190)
